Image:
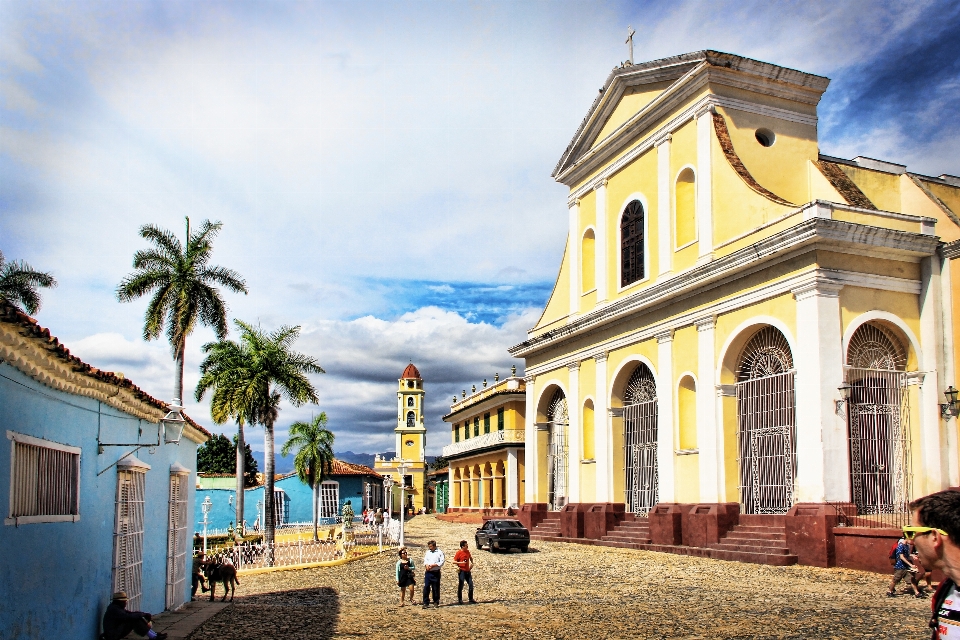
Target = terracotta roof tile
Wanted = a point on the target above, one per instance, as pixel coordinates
(410, 372)
(844, 185)
(29, 328)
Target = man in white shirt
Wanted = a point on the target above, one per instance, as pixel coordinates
(936, 536)
(432, 561)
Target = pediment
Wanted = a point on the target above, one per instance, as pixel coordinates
(638, 96)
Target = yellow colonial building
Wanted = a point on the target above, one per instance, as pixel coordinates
(408, 465)
(486, 452)
(738, 319)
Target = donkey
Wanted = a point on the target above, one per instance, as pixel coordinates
(220, 571)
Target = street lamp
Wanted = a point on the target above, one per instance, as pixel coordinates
(402, 470)
(173, 423)
(844, 390)
(205, 506)
(388, 493)
(952, 408)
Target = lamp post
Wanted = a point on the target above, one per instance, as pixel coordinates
(259, 511)
(402, 470)
(952, 408)
(388, 483)
(366, 490)
(205, 506)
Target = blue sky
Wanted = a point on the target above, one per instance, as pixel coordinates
(382, 169)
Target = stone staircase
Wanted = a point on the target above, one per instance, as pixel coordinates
(758, 539)
(632, 533)
(548, 529)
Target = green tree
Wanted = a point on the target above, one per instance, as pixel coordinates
(183, 285)
(313, 443)
(218, 455)
(438, 463)
(268, 372)
(220, 371)
(19, 282)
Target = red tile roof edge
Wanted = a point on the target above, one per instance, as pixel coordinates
(30, 328)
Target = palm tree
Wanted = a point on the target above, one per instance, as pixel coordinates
(19, 282)
(183, 287)
(218, 372)
(270, 371)
(314, 459)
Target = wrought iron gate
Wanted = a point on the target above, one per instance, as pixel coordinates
(128, 537)
(878, 416)
(640, 442)
(558, 418)
(766, 416)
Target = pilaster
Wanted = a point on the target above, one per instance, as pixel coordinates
(931, 477)
(573, 246)
(530, 438)
(710, 445)
(665, 400)
(573, 436)
(601, 430)
(821, 435)
(704, 182)
(664, 199)
(602, 240)
(513, 480)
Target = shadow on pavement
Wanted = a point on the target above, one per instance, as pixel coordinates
(309, 614)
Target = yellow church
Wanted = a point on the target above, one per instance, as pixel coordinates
(740, 324)
(408, 465)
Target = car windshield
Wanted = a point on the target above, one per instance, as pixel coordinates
(508, 524)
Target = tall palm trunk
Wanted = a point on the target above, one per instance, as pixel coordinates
(269, 519)
(241, 460)
(315, 487)
(179, 381)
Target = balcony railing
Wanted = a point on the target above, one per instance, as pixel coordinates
(483, 441)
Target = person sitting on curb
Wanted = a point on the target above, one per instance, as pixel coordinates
(903, 568)
(936, 536)
(118, 622)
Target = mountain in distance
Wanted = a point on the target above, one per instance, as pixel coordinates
(366, 459)
(281, 465)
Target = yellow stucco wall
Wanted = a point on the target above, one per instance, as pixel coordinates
(633, 100)
(640, 177)
(883, 189)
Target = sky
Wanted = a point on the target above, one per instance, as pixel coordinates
(381, 169)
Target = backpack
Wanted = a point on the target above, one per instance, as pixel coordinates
(893, 553)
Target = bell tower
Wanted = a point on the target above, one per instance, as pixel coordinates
(410, 432)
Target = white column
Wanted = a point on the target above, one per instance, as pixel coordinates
(723, 390)
(664, 201)
(822, 460)
(574, 448)
(530, 447)
(930, 476)
(949, 369)
(601, 243)
(704, 182)
(710, 445)
(665, 444)
(573, 244)
(513, 478)
(601, 430)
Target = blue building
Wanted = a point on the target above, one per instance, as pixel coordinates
(361, 485)
(97, 489)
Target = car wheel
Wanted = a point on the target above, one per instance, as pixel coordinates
(494, 548)
(477, 540)
(524, 548)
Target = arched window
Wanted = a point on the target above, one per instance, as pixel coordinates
(632, 244)
(409, 401)
(587, 278)
(687, 413)
(685, 213)
(411, 419)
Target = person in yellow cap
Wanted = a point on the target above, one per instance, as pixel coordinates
(118, 622)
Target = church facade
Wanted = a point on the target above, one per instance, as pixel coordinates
(408, 465)
(740, 322)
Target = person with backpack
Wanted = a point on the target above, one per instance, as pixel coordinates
(936, 535)
(903, 568)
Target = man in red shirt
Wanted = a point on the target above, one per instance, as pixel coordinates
(464, 562)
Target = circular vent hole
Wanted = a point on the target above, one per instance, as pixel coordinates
(766, 137)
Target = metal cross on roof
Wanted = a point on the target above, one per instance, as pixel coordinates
(629, 41)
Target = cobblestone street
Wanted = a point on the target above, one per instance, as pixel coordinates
(569, 591)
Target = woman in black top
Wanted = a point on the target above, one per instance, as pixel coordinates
(405, 577)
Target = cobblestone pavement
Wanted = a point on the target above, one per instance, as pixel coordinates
(562, 590)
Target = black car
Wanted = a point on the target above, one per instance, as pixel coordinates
(503, 534)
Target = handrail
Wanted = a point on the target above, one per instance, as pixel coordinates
(486, 440)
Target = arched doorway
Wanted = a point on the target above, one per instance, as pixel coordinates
(640, 441)
(878, 420)
(766, 424)
(558, 420)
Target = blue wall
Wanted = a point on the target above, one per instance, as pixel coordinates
(57, 577)
(300, 507)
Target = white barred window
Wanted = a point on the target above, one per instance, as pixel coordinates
(128, 533)
(329, 499)
(44, 481)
